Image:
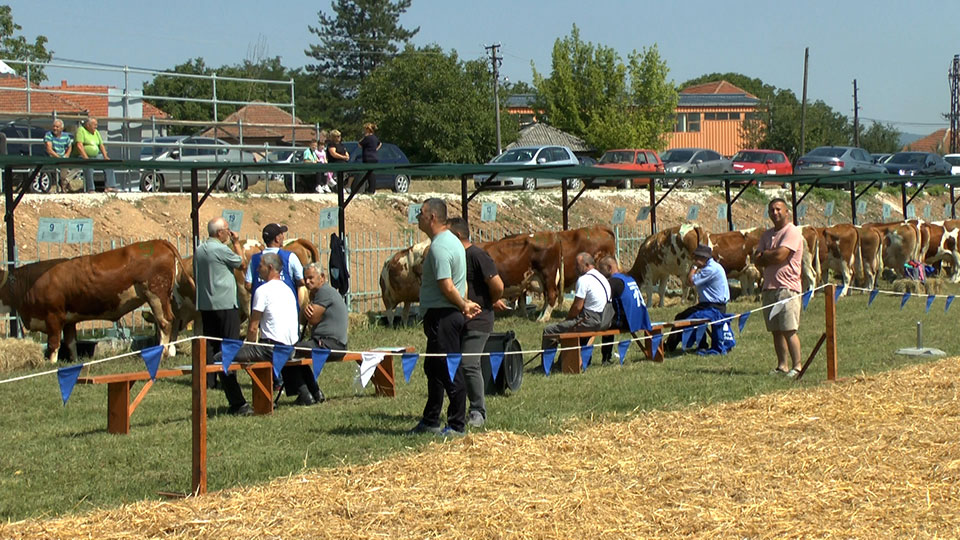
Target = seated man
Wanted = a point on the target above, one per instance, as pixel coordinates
(713, 291)
(59, 145)
(630, 311)
(325, 315)
(274, 318)
(591, 308)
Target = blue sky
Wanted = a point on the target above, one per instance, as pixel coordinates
(899, 52)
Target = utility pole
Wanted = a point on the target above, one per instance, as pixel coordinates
(803, 104)
(856, 116)
(954, 77)
(495, 61)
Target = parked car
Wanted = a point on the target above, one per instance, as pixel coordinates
(694, 160)
(914, 163)
(45, 179)
(388, 153)
(761, 162)
(954, 161)
(194, 150)
(530, 155)
(880, 158)
(837, 159)
(633, 159)
(586, 161)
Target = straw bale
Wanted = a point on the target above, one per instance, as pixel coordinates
(19, 354)
(930, 286)
(868, 457)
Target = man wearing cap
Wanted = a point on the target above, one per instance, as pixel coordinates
(292, 272)
(710, 280)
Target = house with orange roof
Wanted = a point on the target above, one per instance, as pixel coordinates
(937, 142)
(263, 123)
(711, 115)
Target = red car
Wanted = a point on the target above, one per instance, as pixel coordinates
(632, 160)
(761, 162)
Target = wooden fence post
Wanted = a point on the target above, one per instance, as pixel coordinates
(199, 485)
(830, 329)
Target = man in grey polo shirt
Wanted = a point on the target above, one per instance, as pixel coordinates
(214, 264)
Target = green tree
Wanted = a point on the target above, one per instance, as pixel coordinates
(16, 47)
(355, 40)
(880, 138)
(435, 106)
(591, 93)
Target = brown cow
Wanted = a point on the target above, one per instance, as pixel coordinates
(666, 253)
(901, 244)
(53, 296)
(842, 243)
(733, 251)
(871, 257)
(400, 280)
(939, 244)
(529, 261)
(811, 269)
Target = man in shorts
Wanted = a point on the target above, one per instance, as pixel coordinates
(780, 253)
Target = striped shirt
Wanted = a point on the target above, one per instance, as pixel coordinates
(59, 144)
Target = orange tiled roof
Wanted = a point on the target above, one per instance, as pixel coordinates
(99, 105)
(938, 142)
(40, 102)
(716, 87)
(263, 113)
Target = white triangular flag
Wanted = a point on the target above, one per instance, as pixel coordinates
(775, 310)
(369, 365)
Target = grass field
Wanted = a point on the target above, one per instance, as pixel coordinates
(56, 460)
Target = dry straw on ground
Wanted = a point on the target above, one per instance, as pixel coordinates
(19, 354)
(865, 458)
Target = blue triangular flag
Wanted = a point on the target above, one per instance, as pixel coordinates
(586, 353)
(319, 357)
(655, 341)
(903, 302)
(67, 376)
(151, 358)
(453, 364)
(496, 360)
(228, 351)
(701, 330)
(281, 353)
(408, 361)
(930, 298)
(685, 337)
(743, 320)
(548, 356)
(622, 348)
(873, 295)
(949, 301)
(806, 300)
(839, 291)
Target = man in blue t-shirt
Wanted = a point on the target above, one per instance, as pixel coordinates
(713, 291)
(58, 145)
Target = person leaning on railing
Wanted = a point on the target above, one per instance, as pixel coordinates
(59, 145)
(90, 146)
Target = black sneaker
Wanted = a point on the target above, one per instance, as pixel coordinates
(424, 428)
(243, 410)
(319, 397)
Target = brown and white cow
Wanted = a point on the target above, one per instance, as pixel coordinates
(53, 296)
(939, 246)
(400, 280)
(901, 244)
(667, 253)
(530, 262)
(871, 257)
(733, 250)
(842, 243)
(811, 269)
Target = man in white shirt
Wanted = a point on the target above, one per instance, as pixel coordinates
(591, 308)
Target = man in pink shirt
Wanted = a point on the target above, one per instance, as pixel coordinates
(780, 253)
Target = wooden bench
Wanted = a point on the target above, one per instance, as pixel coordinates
(119, 385)
(570, 361)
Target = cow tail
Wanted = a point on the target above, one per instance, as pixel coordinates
(817, 268)
(385, 285)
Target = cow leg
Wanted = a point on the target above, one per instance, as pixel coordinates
(163, 314)
(53, 338)
(69, 343)
(662, 289)
(405, 314)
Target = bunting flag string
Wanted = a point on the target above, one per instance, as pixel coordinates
(319, 357)
(873, 296)
(369, 365)
(67, 377)
(949, 301)
(548, 357)
(685, 337)
(453, 364)
(408, 361)
(622, 348)
(228, 352)
(930, 298)
(903, 302)
(496, 360)
(151, 358)
(743, 320)
(655, 341)
(805, 300)
(281, 353)
(586, 353)
(700, 331)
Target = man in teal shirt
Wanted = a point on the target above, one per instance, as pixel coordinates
(445, 307)
(214, 264)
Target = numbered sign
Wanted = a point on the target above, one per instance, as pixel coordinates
(644, 213)
(946, 210)
(911, 212)
(887, 211)
(802, 211)
(861, 207)
(828, 209)
(79, 231)
(488, 212)
(619, 215)
(51, 229)
(412, 212)
(927, 211)
(722, 211)
(693, 213)
(234, 218)
(329, 217)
